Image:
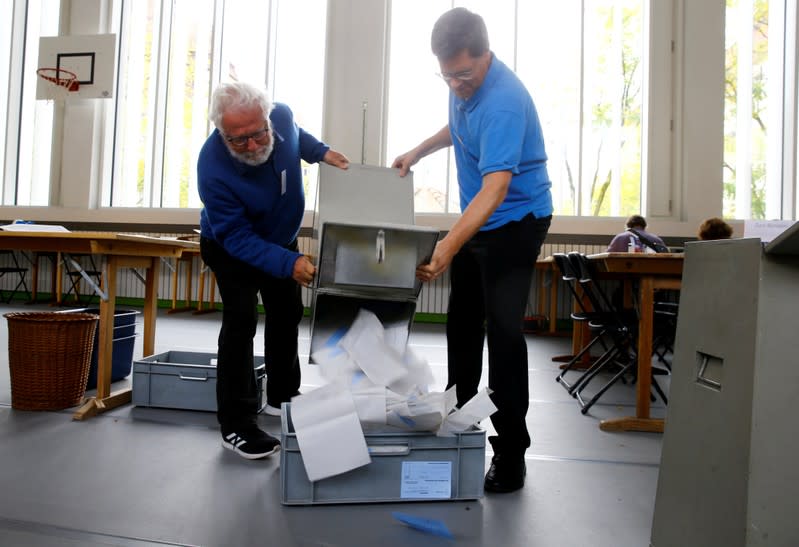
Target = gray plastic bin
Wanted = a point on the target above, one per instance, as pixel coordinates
(183, 380)
(386, 479)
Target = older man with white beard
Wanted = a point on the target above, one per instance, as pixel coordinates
(250, 182)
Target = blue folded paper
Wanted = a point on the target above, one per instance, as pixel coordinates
(430, 526)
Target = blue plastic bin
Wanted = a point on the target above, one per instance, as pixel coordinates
(123, 343)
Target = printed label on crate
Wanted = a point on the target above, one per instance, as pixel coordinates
(426, 480)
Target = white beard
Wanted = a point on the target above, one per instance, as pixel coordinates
(255, 158)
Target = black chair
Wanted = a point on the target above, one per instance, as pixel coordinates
(584, 315)
(76, 272)
(623, 331)
(621, 327)
(13, 267)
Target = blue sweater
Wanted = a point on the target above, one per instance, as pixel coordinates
(497, 129)
(255, 212)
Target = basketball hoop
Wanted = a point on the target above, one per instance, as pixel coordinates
(60, 77)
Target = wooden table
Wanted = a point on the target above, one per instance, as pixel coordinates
(188, 258)
(120, 251)
(652, 272)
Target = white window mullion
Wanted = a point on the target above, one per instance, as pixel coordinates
(790, 207)
(578, 179)
(775, 118)
(152, 197)
(743, 135)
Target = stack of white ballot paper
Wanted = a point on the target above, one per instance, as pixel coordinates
(373, 381)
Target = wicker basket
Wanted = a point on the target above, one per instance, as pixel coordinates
(48, 356)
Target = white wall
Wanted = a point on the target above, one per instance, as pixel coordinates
(687, 171)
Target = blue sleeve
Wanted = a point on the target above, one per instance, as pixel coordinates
(235, 233)
(620, 243)
(312, 149)
(501, 140)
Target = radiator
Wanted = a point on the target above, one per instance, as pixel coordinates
(432, 300)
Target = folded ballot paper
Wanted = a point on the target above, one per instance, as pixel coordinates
(373, 381)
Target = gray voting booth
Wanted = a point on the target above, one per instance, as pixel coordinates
(728, 474)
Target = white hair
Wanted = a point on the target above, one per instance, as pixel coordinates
(237, 95)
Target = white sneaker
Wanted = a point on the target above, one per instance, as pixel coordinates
(270, 410)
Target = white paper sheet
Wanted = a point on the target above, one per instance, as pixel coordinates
(476, 409)
(328, 431)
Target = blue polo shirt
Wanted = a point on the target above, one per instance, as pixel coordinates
(497, 129)
(255, 212)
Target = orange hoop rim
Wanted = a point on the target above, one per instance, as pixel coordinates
(67, 80)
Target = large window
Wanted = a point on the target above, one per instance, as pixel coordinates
(583, 65)
(759, 109)
(28, 129)
(172, 55)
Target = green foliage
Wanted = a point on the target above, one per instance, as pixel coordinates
(607, 67)
(759, 129)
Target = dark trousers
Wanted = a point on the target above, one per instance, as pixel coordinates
(239, 286)
(490, 281)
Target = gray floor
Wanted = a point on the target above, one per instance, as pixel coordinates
(144, 476)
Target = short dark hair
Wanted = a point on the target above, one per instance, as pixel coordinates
(636, 221)
(456, 30)
(714, 228)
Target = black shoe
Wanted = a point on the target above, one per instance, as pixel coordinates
(252, 443)
(505, 474)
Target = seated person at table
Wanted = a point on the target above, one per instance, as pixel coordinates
(621, 243)
(714, 228)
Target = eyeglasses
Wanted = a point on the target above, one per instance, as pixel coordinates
(242, 140)
(462, 76)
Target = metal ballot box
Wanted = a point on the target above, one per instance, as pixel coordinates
(367, 266)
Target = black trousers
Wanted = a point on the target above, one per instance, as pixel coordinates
(490, 281)
(239, 286)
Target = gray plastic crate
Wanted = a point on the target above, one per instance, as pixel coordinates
(398, 472)
(184, 380)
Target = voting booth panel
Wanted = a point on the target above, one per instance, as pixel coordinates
(727, 473)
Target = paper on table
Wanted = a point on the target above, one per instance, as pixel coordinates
(766, 230)
(324, 418)
(23, 227)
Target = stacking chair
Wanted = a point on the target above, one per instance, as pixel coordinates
(665, 330)
(623, 329)
(13, 268)
(582, 314)
(76, 272)
(620, 327)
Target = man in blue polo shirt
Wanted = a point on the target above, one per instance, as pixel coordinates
(250, 182)
(491, 250)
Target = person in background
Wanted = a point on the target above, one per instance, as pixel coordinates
(621, 242)
(714, 228)
(491, 249)
(249, 179)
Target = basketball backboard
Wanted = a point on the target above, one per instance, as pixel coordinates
(89, 58)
